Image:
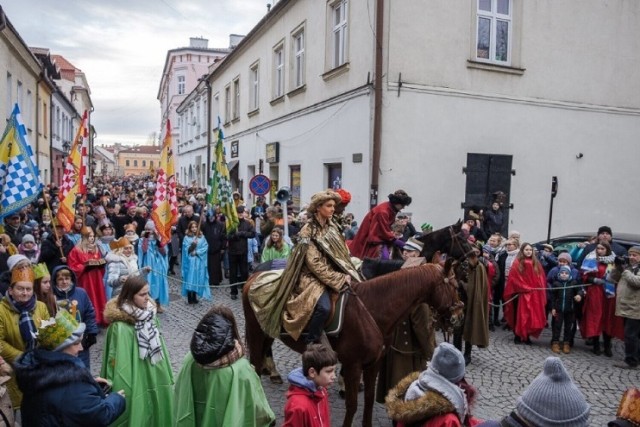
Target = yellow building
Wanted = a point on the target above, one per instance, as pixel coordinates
(138, 160)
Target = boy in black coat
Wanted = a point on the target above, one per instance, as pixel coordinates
(564, 292)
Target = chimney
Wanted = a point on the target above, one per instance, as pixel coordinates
(268, 7)
(198, 42)
(234, 40)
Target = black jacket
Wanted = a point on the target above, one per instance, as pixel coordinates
(50, 253)
(562, 294)
(238, 239)
(216, 235)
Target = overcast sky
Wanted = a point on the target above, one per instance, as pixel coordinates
(121, 46)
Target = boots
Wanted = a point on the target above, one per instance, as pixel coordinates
(555, 347)
(467, 352)
(270, 366)
(607, 345)
(566, 348)
(596, 346)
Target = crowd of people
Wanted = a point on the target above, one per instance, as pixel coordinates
(111, 271)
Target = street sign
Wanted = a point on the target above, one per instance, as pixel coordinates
(260, 185)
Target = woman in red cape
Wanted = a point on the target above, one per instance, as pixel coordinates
(598, 313)
(526, 314)
(88, 263)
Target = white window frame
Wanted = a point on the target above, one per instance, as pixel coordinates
(254, 87)
(494, 17)
(236, 98)
(9, 93)
(227, 104)
(298, 44)
(182, 85)
(278, 70)
(339, 35)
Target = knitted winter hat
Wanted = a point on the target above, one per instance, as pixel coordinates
(564, 269)
(605, 229)
(28, 238)
(552, 399)
(448, 362)
(634, 249)
(150, 225)
(13, 260)
(565, 256)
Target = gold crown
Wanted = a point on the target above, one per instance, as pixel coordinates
(40, 270)
(54, 332)
(629, 409)
(22, 274)
(85, 231)
(119, 243)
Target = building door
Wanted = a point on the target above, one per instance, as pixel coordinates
(488, 179)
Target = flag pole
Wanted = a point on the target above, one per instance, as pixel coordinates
(55, 228)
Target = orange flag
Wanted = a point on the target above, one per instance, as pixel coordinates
(74, 180)
(165, 202)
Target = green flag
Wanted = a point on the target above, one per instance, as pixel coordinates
(220, 186)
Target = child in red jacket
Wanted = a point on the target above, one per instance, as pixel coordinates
(307, 398)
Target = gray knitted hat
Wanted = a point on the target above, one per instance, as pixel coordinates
(552, 399)
(448, 362)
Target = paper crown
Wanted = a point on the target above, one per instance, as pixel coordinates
(85, 231)
(629, 409)
(22, 274)
(129, 227)
(59, 333)
(40, 270)
(119, 243)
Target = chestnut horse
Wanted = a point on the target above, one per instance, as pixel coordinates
(373, 310)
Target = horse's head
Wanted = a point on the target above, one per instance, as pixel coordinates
(449, 240)
(450, 312)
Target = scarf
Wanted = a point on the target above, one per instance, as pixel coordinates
(228, 359)
(430, 380)
(149, 345)
(27, 327)
(107, 239)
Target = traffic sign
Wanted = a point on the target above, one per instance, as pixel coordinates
(260, 185)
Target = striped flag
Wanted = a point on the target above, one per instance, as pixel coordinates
(165, 200)
(220, 186)
(20, 181)
(74, 180)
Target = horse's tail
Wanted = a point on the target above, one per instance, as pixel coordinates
(254, 337)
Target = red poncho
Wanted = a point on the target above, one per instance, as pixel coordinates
(530, 318)
(374, 232)
(598, 312)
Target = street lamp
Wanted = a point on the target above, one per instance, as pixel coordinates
(66, 146)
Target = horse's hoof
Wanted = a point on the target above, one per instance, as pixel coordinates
(275, 379)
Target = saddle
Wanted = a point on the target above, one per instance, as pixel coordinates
(336, 317)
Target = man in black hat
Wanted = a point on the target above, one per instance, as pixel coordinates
(604, 235)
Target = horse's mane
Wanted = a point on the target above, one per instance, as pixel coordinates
(378, 293)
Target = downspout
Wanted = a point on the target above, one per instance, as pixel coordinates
(40, 78)
(377, 107)
(207, 83)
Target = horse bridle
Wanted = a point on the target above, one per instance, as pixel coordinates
(455, 243)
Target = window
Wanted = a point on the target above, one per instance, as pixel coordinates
(278, 71)
(227, 104)
(151, 163)
(334, 175)
(254, 88)
(9, 89)
(236, 98)
(298, 59)
(127, 163)
(45, 120)
(20, 96)
(144, 163)
(58, 123)
(339, 37)
(135, 163)
(494, 28)
(28, 118)
(181, 85)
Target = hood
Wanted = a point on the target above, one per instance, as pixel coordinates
(54, 274)
(297, 378)
(39, 370)
(113, 313)
(212, 339)
(429, 405)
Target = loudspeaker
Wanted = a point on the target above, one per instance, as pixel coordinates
(283, 194)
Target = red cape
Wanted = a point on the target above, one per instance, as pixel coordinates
(531, 286)
(374, 231)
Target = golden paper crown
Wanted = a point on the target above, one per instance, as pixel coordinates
(629, 409)
(64, 329)
(22, 274)
(85, 231)
(40, 270)
(119, 243)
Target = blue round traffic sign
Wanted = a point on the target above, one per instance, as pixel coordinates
(260, 185)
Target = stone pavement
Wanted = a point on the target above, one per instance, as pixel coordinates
(500, 372)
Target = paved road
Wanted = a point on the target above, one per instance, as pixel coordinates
(500, 372)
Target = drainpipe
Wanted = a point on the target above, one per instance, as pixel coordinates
(207, 83)
(377, 106)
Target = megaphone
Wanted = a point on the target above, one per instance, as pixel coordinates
(283, 194)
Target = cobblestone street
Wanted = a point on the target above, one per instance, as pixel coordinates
(500, 372)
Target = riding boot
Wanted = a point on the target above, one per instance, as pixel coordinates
(596, 346)
(270, 366)
(457, 339)
(607, 345)
(467, 352)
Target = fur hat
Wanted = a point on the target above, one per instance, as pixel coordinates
(605, 229)
(552, 399)
(61, 332)
(564, 269)
(634, 249)
(448, 362)
(547, 246)
(13, 260)
(565, 256)
(320, 198)
(413, 245)
(400, 197)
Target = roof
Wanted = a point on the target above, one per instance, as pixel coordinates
(142, 149)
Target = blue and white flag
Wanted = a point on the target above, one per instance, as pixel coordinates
(20, 181)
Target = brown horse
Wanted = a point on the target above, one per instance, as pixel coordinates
(372, 312)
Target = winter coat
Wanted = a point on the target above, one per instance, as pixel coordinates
(11, 343)
(238, 239)
(493, 221)
(60, 391)
(195, 274)
(50, 252)
(599, 311)
(628, 294)
(563, 294)
(307, 405)
(476, 324)
(148, 388)
(216, 235)
(117, 267)
(85, 311)
(374, 232)
(90, 278)
(153, 254)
